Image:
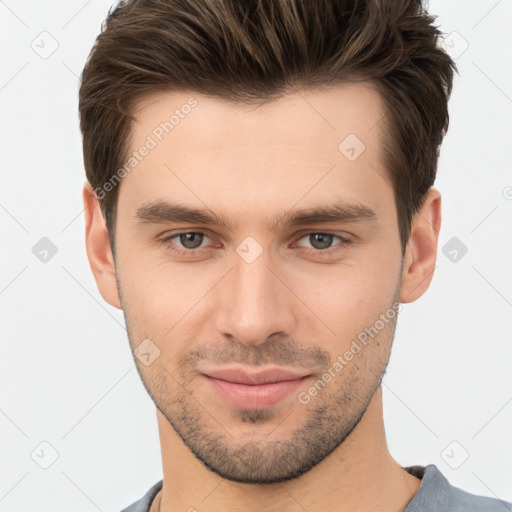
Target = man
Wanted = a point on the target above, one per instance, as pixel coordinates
(259, 203)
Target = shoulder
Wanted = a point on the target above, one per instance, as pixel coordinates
(436, 494)
(144, 504)
(463, 501)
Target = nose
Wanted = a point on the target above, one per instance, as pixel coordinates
(255, 302)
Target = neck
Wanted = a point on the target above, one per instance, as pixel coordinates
(360, 475)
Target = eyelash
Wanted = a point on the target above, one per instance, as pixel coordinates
(187, 252)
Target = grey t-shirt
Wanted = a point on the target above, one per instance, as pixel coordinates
(435, 494)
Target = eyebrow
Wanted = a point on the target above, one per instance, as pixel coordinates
(160, 212)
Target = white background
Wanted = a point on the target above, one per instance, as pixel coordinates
(66, 373)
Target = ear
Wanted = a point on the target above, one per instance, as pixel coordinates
(421, 250)
(98, 248)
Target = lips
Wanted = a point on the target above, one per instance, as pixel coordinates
(254, 390)
(255, 378)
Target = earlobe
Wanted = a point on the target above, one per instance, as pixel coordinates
(421, 251)
(99, 252)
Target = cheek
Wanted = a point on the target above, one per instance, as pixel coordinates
(174, 303)
(160, 289)
(166, 304)
(349, 296)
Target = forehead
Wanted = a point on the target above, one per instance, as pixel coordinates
(327, 113)
(302, 147)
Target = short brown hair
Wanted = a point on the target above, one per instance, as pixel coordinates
(254, 51)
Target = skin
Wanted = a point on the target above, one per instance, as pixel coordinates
(296, 306)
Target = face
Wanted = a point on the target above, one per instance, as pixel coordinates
(258, 256)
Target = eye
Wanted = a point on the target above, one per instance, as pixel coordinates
(186, 242)
(322, 242)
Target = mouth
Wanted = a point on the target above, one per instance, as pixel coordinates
(254, 390)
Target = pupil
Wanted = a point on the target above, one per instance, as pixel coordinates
(324, 239)
(191, 240)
